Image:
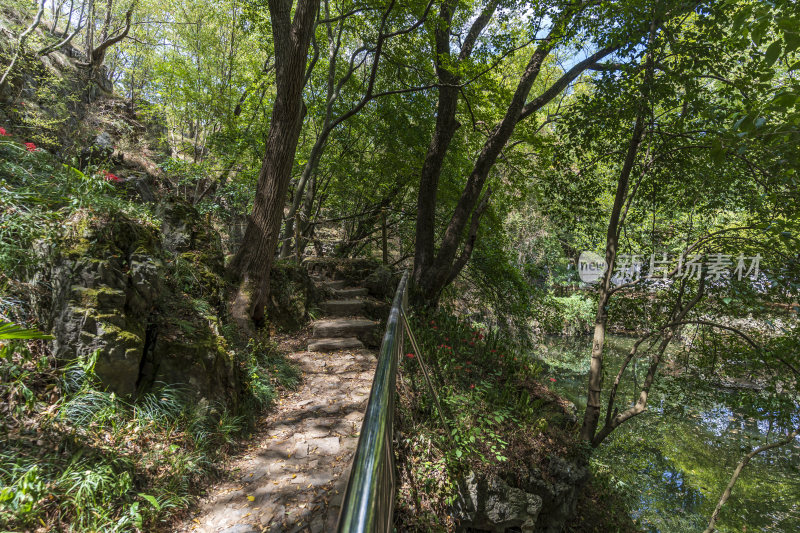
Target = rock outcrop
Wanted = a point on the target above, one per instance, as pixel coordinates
(490, 504)
(148, 301)
(541, 501)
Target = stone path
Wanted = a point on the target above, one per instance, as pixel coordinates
(292, 477)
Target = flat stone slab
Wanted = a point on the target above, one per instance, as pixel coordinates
(325, 446)
(352, 292)
(343, 307)
(334, 344)
(343, 327)
(335, 284)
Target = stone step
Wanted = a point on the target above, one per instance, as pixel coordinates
(343, 307)
(343, 327)
(352, 292)
(333, 344)
(335, 284)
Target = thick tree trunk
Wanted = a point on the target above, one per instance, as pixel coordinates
(444, 130)
(252, 263)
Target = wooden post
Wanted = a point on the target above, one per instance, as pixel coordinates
(383, 237)
(298, 247)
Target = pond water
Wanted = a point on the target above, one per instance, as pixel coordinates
(674, 460)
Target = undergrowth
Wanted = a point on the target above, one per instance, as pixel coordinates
(75, 457)
(499, 418)
(38, 193)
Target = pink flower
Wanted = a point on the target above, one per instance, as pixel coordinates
(3, 132)
(31, 147)
(553, 380)
(109, 176)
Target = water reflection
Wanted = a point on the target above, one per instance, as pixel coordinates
(675, 459)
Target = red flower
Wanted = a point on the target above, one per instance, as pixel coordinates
(472, 344)
(3, 132)
(410, 355)
(434, 327)
(472, 386)
(433, 322)
(469, 362)
(31, 147)
(553, 380)
(447, 338)
(494, 351)
(109, 176)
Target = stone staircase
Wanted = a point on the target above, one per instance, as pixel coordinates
(344, 326)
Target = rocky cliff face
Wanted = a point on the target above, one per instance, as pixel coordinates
(148, 301)
(543, 502)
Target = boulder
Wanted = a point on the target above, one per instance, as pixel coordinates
(559, 487)
(382, 282)
(351, 270)
(292, 294)
(117, 288)
(490, 504)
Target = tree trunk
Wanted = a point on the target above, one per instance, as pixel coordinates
(591, 416)
(434, 271)
(252, 263)
(444, 130)
(592, 413)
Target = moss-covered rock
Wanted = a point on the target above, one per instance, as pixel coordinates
(148, 301)
(382, 282)
(353, 271)
(292, 295)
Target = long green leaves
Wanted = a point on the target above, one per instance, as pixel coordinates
(10, 331)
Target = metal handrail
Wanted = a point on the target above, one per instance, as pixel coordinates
(368, 501)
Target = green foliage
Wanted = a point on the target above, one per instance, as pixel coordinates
(100, 462)
(497, 414)
(9, 331)
(267, 370)
(39, 195)
(569, 315)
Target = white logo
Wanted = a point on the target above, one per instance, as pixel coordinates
(591, 267)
